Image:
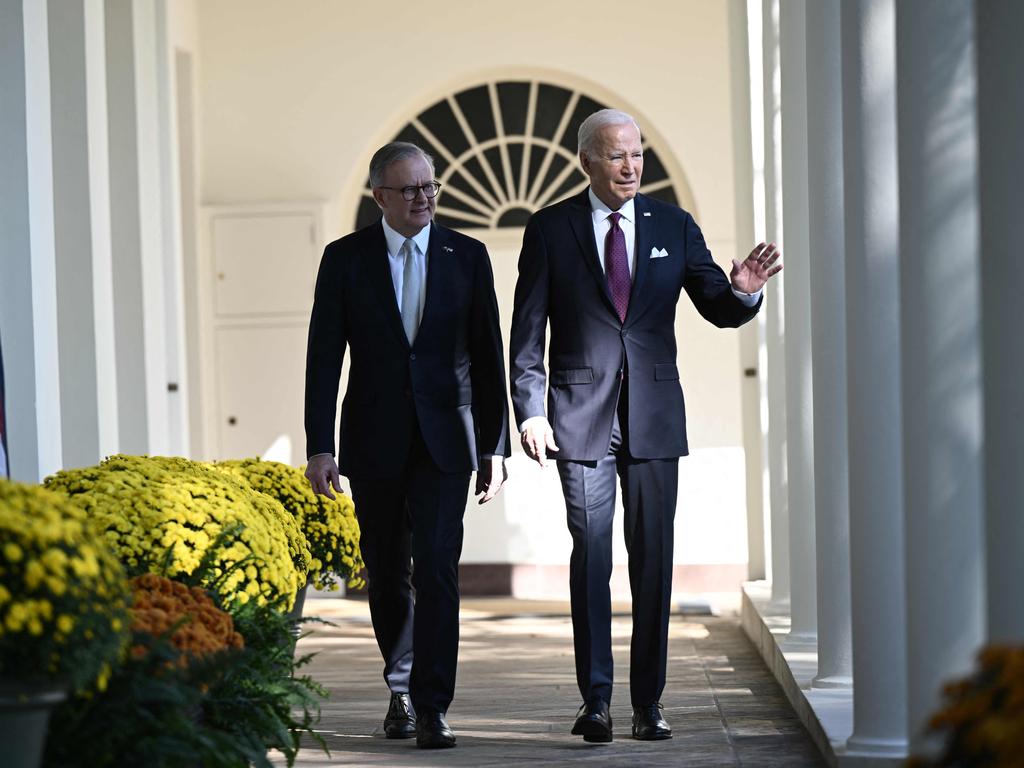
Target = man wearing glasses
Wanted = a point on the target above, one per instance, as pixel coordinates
(425, 406)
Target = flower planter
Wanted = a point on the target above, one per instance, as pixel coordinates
(24, 717)
(296, 612)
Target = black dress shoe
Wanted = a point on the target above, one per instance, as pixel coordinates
(432, 732)
(594, 722)
(649, 724)
(400, 721)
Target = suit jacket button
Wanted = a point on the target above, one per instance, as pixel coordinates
(412, 356)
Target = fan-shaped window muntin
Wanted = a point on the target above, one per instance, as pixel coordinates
(505, 149)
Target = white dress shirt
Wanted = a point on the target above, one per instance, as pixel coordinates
(396, 259)
(602, 225)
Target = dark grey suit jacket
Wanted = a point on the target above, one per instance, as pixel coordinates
(561, 281)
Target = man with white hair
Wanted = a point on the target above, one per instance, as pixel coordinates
(605, 268)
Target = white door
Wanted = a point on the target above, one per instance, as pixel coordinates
(261, 272)
(260, 391)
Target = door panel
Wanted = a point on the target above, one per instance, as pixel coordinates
(260, 392)
(259, 270)
(264, 265)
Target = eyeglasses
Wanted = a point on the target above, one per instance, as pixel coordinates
(409, 193)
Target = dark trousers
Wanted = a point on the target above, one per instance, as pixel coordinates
(414, 605)
(649, 490)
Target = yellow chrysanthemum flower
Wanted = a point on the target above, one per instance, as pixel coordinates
(56, 620)
(330, 526)
(165, 514)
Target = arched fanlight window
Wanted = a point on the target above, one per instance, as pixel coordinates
(504, 149)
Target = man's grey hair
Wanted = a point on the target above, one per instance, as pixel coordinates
(390, 153)
(597, 121)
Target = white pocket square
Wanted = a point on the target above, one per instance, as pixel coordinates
(658, 253)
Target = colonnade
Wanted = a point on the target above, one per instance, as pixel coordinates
(90, 293)
(896, 130)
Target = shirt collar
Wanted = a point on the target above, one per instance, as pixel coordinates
(600, 211)
(396, 239)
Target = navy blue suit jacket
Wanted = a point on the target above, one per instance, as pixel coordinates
(451, 380)
(561, 281)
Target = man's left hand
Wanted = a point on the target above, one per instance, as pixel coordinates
(750, 275)
(490, 477)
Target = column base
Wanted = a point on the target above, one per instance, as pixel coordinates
(799, 640)
(832, 681)
(868, 752)
(867, 745)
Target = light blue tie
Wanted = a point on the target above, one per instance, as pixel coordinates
(412, 291)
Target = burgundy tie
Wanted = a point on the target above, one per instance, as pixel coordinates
(616, 266)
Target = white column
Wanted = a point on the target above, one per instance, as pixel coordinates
(184, 80)
(1001, 164)
(81, 231)
(940, 324)
(132, 394)
(743, 186)
(102, 257)
(177, 396)
(151, 140)
(773, 364)
(828, 342)
(797, 310)
(873, 378)
(28, 293)
(138, 241)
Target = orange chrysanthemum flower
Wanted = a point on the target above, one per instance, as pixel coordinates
(160, 604)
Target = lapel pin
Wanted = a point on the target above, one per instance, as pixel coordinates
(647, 213)
(448, 249)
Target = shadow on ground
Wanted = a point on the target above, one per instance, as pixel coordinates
(516, 696)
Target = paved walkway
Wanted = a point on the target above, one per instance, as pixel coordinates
(516, 696)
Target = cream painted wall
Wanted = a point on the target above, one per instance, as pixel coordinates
(182, 25)
(295, 97)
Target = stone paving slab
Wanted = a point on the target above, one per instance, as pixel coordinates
(516, 695)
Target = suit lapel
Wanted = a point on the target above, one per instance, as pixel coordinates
(379, 270)
(641, 256)
(439, 261)
(582, 221)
